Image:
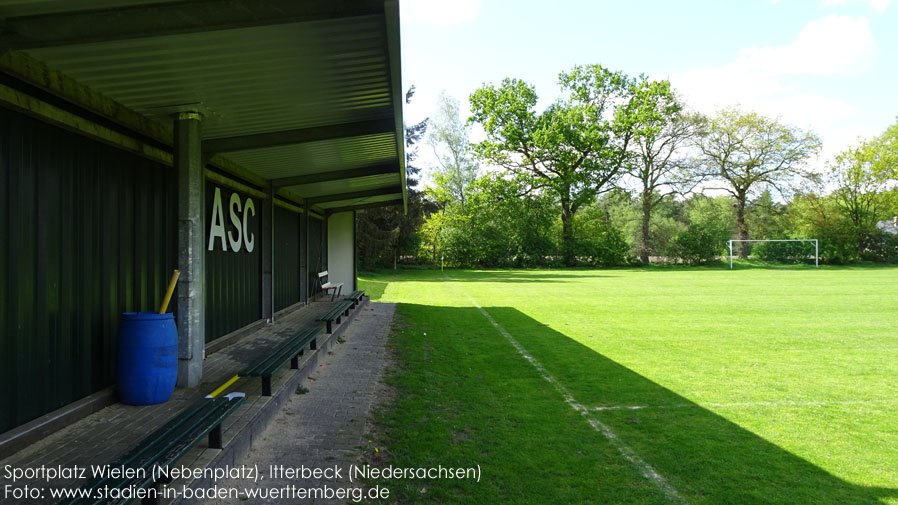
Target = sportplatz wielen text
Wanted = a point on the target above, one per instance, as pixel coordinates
(52, 473)
(165, 473)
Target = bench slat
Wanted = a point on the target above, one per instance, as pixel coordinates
(288, 350)
(166, 445)
(144, 453)
(272, 362)
(336, 311)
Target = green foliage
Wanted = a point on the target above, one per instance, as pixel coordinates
(498, 227)
(448, 137)
(575, 149)
(884, 153)
(812, 216)
(599, 237)
(572, 156)
(716, 212)
(766, 217)
(862, 194)
(879, 247)
(616, 209)
(785, 252)
(604, 247)
(666, 222)
(698, 244)
(746, 152)
(710, 226)
(660, 162)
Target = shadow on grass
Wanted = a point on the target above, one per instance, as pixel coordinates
(705, 457)
(509, 276)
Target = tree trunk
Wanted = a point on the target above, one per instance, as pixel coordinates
(567, 232)
(646, 218)
(743, 229)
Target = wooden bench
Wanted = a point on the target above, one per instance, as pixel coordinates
(290, 349)
(326, 285)
(339, 310)
(162, 448)
(355, 297)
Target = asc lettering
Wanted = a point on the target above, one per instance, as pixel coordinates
(240, 235)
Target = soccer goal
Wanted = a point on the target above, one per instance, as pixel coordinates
(816, 247)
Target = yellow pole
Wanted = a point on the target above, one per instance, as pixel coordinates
(224, 386)
(171, 289)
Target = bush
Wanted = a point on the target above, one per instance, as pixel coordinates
(880, 247)
(785, 252)
(496, 227)
(699, 243)
(812, 216)
(535, 251)
(710, 226)
(608, 248)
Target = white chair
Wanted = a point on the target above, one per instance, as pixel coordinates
(326, 285)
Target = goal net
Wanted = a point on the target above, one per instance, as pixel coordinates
(816, 247)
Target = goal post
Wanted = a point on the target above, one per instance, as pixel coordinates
(816, 247)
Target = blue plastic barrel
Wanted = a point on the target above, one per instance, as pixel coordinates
(146, 357)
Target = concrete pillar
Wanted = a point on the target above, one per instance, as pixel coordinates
(304, 254)
(324, 261)
(191, 248)
(268, 256)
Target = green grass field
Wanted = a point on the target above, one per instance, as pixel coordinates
(700, 386)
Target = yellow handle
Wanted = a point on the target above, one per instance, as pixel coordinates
(224, 386)
(171, 289)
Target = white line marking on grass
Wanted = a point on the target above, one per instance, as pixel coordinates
(781, 403)
(647, 471)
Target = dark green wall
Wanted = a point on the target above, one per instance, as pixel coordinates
(86, 232)
(286, 258)
(317, 262)
(233, 278)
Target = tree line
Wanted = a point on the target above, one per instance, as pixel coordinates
(618, 171)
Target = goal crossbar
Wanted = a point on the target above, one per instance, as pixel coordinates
(816, 247)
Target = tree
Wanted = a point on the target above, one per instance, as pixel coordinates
(663, 131)
(497, 228)
(574, 149)
(813, 216)
(748, 153)
(861, 185)
(709, 224)
(884, 153)
(765, 217)
(386, 232)
(448, 137)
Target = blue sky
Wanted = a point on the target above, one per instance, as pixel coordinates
(827, 65)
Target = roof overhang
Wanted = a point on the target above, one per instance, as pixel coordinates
(304, 94)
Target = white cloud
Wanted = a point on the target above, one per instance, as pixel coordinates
(877, 5)
(833, 45)
(438, 12)
(765, 78)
